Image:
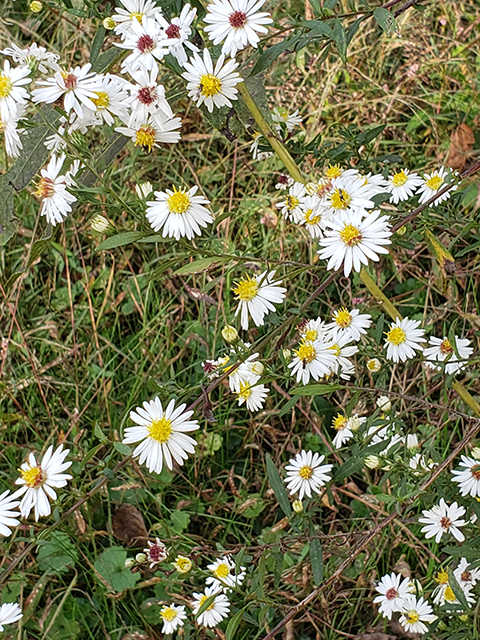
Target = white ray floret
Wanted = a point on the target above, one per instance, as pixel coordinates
(348, 193)
(39, 480)
(236, 23)
(402, 185)
(312, 216)
(433, 183)
(10, 612)
(257, 295)
(343, 351)
(179, 30)
(216, 612)
(443, 518)
(151, 132)
(8, 512)
(209, 85)
(225, 576)
(312, 360)
(440, 349)
(352, 240)
(11, 133)
(414, 614)
(147, 97)
(162, 434)
(306, 474)
(313, 330)
(12, 92)
(349, 323)
(179, 212)
(252, 394)
(403, 338)
(392, 590)
(292, 206)
(468, 476)
(290, 120)
(173, 616)
(148, 45)
(466, 578)
(33, 56)
(133, 13)
(56, 201)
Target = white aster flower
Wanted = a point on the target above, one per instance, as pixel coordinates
(467, 578)
(179, 30)
(38, 481)
(173, 616)
(256, 154)
(8, 512)
(290, 120)
(151, 132)
(236, 23)
(11, 133)
(156, 552)
(312, 216)
(214, 87)
(292, 206)
(162, 434)
(403, 339)
(443, 592)
(343, 352)
(147, 97)
(375, 181)
(32, 56)
(468, 477)
(392, 590)
(111, 100)
(374, 365)
(12, 92)
(216, 612)
(353, 240)
(180, 212)
(433, 183)
(52, 189)
(344, 433)
(249, 371)
(133, 13)
(10, 612)
(225, 576)
(252, 394)
(443, 518)
(441, 349)
(148, 45)
(415, 613)
(312, 359)
(79, 87)
(402, 185)
(383, 403)
(256, 295)
(349, 323)
(305, 473)
(348, 193)
(313, 330)
(284, 182)
(419, 464)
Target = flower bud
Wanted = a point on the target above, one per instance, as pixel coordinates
(374, 365)
(297, 506)
(229, 333)
(402, 231)
(109, 23)
(287, 355)
(141, 557)
(384, 403)
(100, 224)
(144, 189)
(129, 562)
(372, 462)
(475, 453)
(182, 564)
(258, 368)
(412, 442)
(35, 6)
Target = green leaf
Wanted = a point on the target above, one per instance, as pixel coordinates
(98, 433)
(386, 20)
(288, 406)
(278, 487)
(107, 60)
(340, 38)
(38, 246)
(233, 625)
(206, 604)
(111, 566)
(202, 264)
(457, 589)
(56, 555)
(316, 389)
(120, 240)
(379, 329)
(97, 44)
(269, 55)
(124, 449)
(180, 521)
(316, 560)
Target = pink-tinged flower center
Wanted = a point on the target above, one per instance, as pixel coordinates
(283, 179)
(45, 188)
(445, 523)
(391, 594)
(173, 31)
(446, 347)
(475, 471)
(146, 44)
(466, 576)
(237, 19)
(156, 553)
(147, 95)
(33, 477)
(70, 81)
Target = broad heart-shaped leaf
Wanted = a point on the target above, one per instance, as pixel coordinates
(111, 566)
(278, 487)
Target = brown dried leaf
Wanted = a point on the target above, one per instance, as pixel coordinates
(128, 525)
(461, 145)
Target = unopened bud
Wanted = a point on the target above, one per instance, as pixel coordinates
(141, 557)
(297, 506)
(100, 224)
(129, 562)
(109, 23)
(374, 365)
(229, 334)
(182, 564)
(35, 6)
(384, 403)
(475, 453)
(412, 442)
(144, 189)
(258, 368)
(372, 462)
(287, 355)
(402, 231)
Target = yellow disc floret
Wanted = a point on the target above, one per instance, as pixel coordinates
(333, 171)
(5, 86)
(399, 179)
(340, 199)
(145, 137)
(339, 422)
(160, 430)
(434, 183)
(446, 347)
(222, 571)
(245, 391)
(351, 235)
(412, 616)
(202, 600)
(306, 353)
(247, 289)
(102, 100)
(396, 335)
(305, 472)
(168, 614)
(210, 85)
(33, 477)
(343, 318)
(179, 201)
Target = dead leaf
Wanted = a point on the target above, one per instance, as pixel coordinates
(128, 525)
(461, 146)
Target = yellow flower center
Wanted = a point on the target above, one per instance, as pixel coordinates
(5, 86)
(336, 349)
(333, 171)
(310, 335)
(446, 347)
(245, 391)
(442, 577)
(178, 202)
(222, 571)
(45, 188)
(399, 179)
(291, 202)
(339, 422)
(102, 101)
(160, 430)
(137, 15)
(169, 614)
(343, 318)
(183, 565)
(202, 600)
(340, 199)
(33, 477)
(434, 183)
(475, 471)
(449, 595)
(145, 137)
(247, 289)
(310, 218)
(305, 472)
(210, 85)
(396, 335)
(412, 616)
(306, 353)
(351, 235)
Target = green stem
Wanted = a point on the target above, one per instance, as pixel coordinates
(379, 296)
(466, 397)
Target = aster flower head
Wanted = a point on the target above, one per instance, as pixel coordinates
(236, 23)
(11, 133)
(414, 614)
(162, 434)
(8, 513)
(147, 97)
(178, 32)
(173, 616)
(182, 564)
(467, 578)
(443, 518)
(216, 612)
(433, 183)
(148, 45)
(257, 295)
(312, 359)
(402, 185)
(343, 351)
(56, 201)
(179, 212)
(12, 92)
(345, 428)
(352, 240)
(252, 394)
(348, 193)
(290, 120)
(313, 330)
(149, 133)
(441, 349)
(112, 100)
(312, 216)
(468, 476)
(443, 593)
(392, 590)
(39, 480)
(209, 85)
(292, 206)
(225, 576)
(34, 56)
(349, 323)
(133, 13)
(307, 474)
(156, 552)
(10, 612)
(403, 339)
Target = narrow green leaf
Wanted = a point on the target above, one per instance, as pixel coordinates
(316, 560)
(120, 240)
(379, 329)
(107, 59)
(386, 20)
(124, 449)
(97, 44)
(202, 264)
(457, 589)
(316, 389)
(278, 487)
(209, 601)
(269, 55)
(340, 37)
(288, 406)
(233, 625)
